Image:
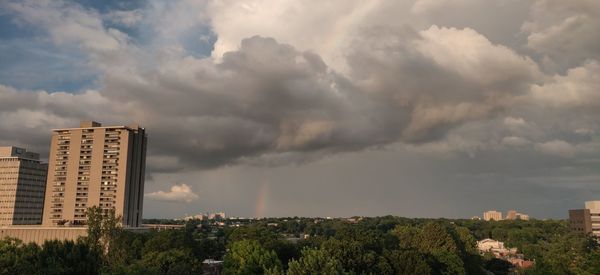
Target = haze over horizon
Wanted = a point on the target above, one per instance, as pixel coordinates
(421, 108)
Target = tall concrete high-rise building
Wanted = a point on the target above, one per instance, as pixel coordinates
(95, 166)
(22, 186)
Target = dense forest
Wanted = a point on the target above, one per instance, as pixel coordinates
(381, 245)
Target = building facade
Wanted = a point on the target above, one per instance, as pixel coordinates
(99, 166)
(511, 215)
(514, 215)
(580, 221)
(586, 220)
(492, 215)
(22, 187)
(594, 208)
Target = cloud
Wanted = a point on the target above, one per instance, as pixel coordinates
(564, 31)
(577, 89)
(479, 93)
(178, 193)
(69, 23)
(515, 141)
(514, 122)
(557, 148)
(265, 97)
(128, 18)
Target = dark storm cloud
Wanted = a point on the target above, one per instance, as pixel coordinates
(503, 103)
(270, 98)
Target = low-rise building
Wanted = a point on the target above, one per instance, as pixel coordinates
(495, 247)
(499, 251)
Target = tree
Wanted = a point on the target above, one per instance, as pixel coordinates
(352, 255)
(448, 263)
(407, 262)
(408, 236)
(104, 231)
(173, 261)
(498, 266)
(249, 257)
(435, 237)
(315, 261)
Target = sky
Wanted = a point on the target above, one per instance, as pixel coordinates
(415, 108)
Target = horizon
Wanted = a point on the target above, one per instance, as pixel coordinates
(418, 109)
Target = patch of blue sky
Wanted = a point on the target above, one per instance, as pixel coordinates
(105, 6)
(11, 28)
(30, 61)
(199, 41)
(37, 64)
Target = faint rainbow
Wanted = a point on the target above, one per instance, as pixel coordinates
(263, 193)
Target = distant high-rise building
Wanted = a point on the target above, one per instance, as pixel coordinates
(216, 216)
(514, 215)
(594, 207)
(492, 215)
(511, 215)
(580, 221)
(522, 216)
(586, 220)
(22, 186)
(95, 166)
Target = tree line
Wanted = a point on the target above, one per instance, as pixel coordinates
(380, 245)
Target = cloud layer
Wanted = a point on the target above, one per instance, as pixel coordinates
(226, 83)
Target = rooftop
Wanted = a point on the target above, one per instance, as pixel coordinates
(16, 152)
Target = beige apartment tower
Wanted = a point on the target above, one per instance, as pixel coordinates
(22, 187)
(492, 215)
(95, 166)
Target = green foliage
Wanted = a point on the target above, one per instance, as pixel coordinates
(54, 257)
(384, 245)
(173, 261)
(498, 266)
(568, 254)
(103, 230)
(408, 236)
(448, 263)
(436, 238)
(404, 262)
(352, 255)
(249, 257)
(315, 261)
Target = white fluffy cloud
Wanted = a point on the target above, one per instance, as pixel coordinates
(178, 193)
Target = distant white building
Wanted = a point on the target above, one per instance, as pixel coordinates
(496, 247)
(492, 215)
(217, 216)
(522, 216)
(514, 215)
(207, 216)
